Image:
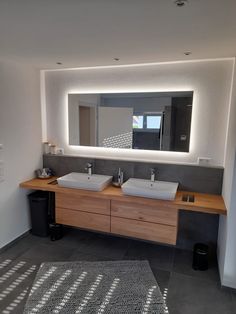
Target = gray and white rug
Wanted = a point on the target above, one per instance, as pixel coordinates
(95, 287)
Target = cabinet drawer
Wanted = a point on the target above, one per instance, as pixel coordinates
(83, 203)
(163, 214)
(81, 219)
(144, 230)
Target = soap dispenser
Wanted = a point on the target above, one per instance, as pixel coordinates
(120, 179)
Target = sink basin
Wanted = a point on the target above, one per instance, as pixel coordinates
(95, 182)
(145, 188)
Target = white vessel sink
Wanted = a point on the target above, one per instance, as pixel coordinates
(76, 180)
(145, 188)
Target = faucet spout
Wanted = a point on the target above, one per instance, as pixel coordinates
(89, 167)
(152, 175)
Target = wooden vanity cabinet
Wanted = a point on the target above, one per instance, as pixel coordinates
(83, 211)
(144, 230)
(160, 213)
(157, 221)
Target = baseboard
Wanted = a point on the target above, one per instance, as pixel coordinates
(228, 289)
(8, 245)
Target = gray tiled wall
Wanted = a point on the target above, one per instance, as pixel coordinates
(190, 178)
(193, 227)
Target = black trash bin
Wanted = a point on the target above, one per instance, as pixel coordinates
(56, 231)
(39, 205)
(200, 256)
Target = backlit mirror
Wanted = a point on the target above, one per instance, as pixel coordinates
(151, 120)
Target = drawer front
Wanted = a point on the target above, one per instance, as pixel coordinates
(83, 203)
(144, 230)
(163, 214)
(81, 219)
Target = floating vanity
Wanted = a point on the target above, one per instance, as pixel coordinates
(113, 212)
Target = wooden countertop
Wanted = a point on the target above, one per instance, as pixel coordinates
(207, 203)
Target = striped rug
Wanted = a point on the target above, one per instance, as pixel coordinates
(95, 287)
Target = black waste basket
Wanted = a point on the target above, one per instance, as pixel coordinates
(39, 205)
(56, 231)
(200, 256)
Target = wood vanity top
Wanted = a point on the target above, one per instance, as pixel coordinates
(207, 203)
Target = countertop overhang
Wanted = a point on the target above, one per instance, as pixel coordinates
(206, 203)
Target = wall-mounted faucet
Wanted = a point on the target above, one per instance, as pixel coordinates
(89, 167)
(153, 175)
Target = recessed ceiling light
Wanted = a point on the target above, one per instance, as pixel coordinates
(180, 3)
(187, 53)
(116, 59)
(59, 63)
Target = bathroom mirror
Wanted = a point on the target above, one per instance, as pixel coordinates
(150, 120)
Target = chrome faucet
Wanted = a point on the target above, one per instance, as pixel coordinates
(152, 175)
(120, 177)
(89, 167)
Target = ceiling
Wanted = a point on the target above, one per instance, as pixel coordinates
(94, 32)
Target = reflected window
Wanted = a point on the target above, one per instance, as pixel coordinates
(147, 121)
(137, 122)
(153, 122)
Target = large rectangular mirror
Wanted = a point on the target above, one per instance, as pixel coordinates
(151, 120)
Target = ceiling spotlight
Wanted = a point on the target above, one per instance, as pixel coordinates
(187, 53)
(116, 59)
(180, 3)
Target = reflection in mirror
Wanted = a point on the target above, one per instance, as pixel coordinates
(151, 121)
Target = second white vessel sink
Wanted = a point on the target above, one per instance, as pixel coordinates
(76, 180)
(146, 188)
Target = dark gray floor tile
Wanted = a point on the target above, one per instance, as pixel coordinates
(197, 296)
(183, 265)
(233, 295)
(45, 253)
(158, 256)
(189, 292)
(10, 275)
(74, 239)
(81, 256)
(162, 278)
(20, 293)
(28, 264)
(20, 247)
(105, 246)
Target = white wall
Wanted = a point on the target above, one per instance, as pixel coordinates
(20, 133)
(227, 230)
(210, 81)
(213, 129)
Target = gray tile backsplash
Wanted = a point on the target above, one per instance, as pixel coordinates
(111, 167)
(193, 227)
(190, 178)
